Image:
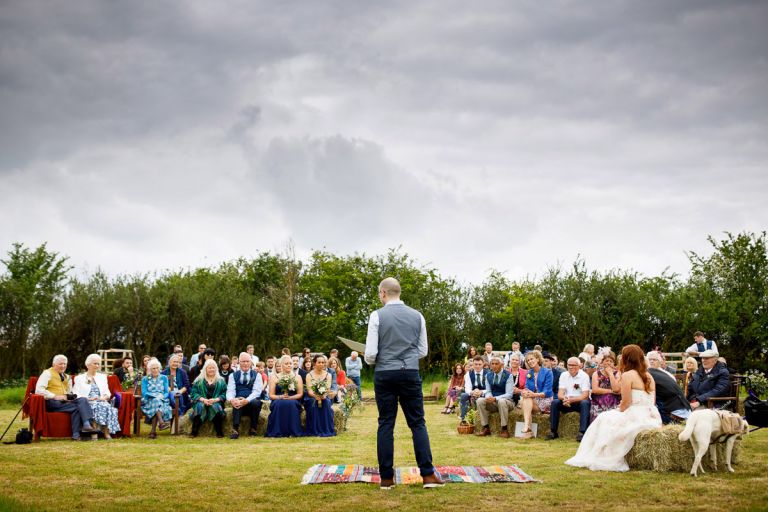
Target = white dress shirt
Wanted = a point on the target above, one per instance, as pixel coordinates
(256, 388)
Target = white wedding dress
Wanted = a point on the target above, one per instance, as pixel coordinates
(610, 437)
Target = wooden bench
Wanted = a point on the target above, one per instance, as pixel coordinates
(434, 394)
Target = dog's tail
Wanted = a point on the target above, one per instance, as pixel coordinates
(685, 435)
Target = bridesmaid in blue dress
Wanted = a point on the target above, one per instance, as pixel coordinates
(285, 393)
(318, 404)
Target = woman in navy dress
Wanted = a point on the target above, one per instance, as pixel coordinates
(285, 393)
(318, 402)
(178, 381)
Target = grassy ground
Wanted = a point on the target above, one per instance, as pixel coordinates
(207, 474)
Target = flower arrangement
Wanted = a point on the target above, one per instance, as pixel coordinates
(287, 383)
(320, 388)
(471, 416)
(130, 381)
(350, 401)
(756, 382)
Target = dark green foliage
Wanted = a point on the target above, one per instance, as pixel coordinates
(272, 301)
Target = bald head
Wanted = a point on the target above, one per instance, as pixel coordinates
(390, 287)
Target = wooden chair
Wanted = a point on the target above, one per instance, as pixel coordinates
(730, 402)
(434, 394)
(137, 418)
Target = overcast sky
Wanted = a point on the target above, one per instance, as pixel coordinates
(142, 136)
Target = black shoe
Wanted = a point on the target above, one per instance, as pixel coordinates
(89, 428)
(551, 436)
(579, 437)
(234, 435)
(387, 484)
(253, 433)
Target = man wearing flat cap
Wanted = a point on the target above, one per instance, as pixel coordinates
(710, 380)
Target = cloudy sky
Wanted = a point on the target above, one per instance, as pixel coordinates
(140, 136)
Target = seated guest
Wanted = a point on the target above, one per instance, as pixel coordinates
(285, 392)
(209, 395)
(656, 361)
(305, 354)
(178, 383)
(92, 385)
(497, 397)
(155, 403)
(334, 364)
(318, 403)
(690, 365)
(126, 373)
(244, 394)
(722, 360)
(295, 364)
(710, 380)
(261, 370)
(572, 396)
(550, 362)
(225, 368)
(234, 364)
(537, 395)
(474, 385)
(606, 386)
(455, 388)
(471, 353)
(517, 374)
(488, 354)
(194, 372)
(270, 366)
(54, 385)
(514, 352)
(306, 367)
(144, 362)
(117, 363)
(670, 400)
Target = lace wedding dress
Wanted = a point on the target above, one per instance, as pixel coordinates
(610, 437)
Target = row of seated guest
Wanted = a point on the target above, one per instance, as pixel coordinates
(286, 391)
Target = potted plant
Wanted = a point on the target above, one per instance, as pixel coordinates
(756, 383)
(468, 425)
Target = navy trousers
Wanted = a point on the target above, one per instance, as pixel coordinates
(558, 408)
(403, 386)
(79, 411)
(252, 410)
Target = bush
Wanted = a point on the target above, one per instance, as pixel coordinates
(12, 396)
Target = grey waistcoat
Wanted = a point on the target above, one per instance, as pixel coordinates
(399, 332)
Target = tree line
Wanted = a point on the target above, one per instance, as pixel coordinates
(275, 300)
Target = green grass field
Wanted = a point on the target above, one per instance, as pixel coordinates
(178, 473)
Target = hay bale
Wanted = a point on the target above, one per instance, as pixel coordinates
(185, 423)
(660, 450)
(569, 423)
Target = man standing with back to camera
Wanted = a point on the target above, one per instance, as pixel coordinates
(397, 339)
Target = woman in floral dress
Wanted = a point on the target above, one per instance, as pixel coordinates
(93, 386)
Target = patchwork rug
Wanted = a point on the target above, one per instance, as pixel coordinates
(355, 473)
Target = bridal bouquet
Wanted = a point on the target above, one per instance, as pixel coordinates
(287, 383)
(320, 388)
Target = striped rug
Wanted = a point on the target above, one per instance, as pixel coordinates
(355, 473)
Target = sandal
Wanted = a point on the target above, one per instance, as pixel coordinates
(164, 426)
(152, 435)
(526, 434)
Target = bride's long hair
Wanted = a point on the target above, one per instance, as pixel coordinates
(633, 358)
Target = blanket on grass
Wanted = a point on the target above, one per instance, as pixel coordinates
(356, 473)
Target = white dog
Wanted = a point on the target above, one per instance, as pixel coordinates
(703, 427)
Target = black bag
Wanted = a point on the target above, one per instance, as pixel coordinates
(756, 411)
(23, 436)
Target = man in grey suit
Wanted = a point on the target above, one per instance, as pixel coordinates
(397, 339)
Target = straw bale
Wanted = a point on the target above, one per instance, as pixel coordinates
(660, 450)
(569, 423)
(185, 424)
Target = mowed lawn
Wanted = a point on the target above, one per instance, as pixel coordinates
(179, 473)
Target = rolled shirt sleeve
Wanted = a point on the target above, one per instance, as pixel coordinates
(42, 385)
(423, 344)
(372, 339)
